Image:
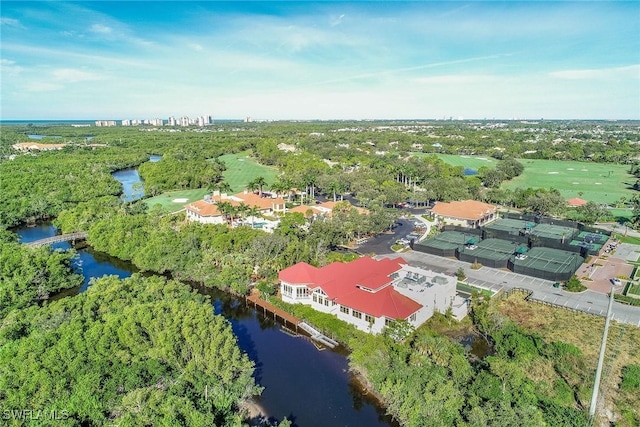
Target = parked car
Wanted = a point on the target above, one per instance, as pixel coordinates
(616, 281)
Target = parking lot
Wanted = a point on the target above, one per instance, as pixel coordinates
(543, 290)
(381, 244)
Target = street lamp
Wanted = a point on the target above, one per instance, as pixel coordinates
(603, 348)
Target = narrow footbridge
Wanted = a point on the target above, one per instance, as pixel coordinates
(81, 235)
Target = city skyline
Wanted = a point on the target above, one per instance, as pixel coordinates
(320, 60)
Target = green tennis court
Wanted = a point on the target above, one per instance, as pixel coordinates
(548, 263)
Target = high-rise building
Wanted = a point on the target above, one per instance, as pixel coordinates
(172, 121)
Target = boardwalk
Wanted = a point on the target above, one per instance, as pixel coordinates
(81, 235)
(290, 320)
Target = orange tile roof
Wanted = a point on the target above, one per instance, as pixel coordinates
(203, 208)
(466, 209)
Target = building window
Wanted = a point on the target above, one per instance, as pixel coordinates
(287, 290)
(326, 302)
(368, 319)
(387, 322)
(344, 309)
(320, 300)
(413, 317)
(302, 292)
(315, 298)
(356, 314)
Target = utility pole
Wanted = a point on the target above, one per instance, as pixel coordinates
(603, 347)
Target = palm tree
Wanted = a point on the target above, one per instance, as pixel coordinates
(258, 183)
(279, 187)
(227, 210)
(242, 210)
(224, 187)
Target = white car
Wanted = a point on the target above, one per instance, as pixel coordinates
(616, 281)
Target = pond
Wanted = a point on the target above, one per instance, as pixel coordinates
(312, 388)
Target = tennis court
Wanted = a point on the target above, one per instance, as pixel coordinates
(590, 248)
(554, 232)
(596, 238)
(445, 243)
(548, 263)
(493, 253)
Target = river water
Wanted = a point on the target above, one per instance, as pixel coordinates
(311, 387)
(131, 182)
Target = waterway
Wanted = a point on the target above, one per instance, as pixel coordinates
(312, 388)
(131, 183)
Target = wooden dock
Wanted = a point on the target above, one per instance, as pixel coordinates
(289, 320)
(268, 308)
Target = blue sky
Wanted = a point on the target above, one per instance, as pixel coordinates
(320, 60)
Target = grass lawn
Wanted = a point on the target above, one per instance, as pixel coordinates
(242, 169)
(471, 162)
(621, 213)
(604, 183)
(599, 182)
(463, 287)
(173, 201)
(585, 332)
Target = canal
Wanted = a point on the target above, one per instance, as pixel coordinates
(311, 387)
(131, 183)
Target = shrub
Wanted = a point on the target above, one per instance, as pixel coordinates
(630, 378)
(574, 285)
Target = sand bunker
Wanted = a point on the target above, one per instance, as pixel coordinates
(575, 183)
(597, 183)
(553, 173)
(570, 169)
(584, 170)
(180, 200)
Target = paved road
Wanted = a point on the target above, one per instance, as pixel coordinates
(381, 244)
(495, 280)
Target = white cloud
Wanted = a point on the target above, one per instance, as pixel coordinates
(631, 71)
(453, 79)
(101, 29)
(195, 46)
(42, 86)
(10, 22)
(336, 20)
(71, 75)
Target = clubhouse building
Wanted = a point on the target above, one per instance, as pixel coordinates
(206, 211)
(370, 294)
(465, 213)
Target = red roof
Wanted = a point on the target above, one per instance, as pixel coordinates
(301, 273)
(388, 302)
(342, 281)
(576, 202)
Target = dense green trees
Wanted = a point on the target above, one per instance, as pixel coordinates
(177, 170)
(33, 187)
(428, 380)
(142, 351)
(31, 275)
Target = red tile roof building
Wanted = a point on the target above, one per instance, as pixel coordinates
(370, 293)
(575, 202)
(467, 213)
(206, 211)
